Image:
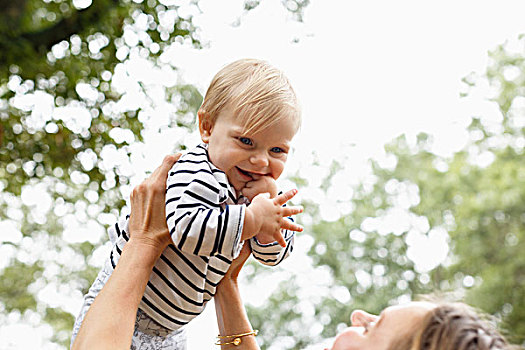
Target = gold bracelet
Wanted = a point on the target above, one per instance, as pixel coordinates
(237, 338)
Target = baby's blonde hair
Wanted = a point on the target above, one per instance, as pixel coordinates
(258, 94)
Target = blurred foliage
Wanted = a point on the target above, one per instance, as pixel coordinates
(80, 82)
(60, 112)
(54, 51)
(68, 60)
(295, 7)
(476, 196)
(14, 285)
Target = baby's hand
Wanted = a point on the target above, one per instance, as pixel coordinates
(268, 216)
(260, 184)
(264, 238)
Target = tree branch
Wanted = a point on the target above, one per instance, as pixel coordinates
(79, 21)
(12, 10)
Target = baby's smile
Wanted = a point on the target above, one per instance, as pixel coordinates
(247, 174)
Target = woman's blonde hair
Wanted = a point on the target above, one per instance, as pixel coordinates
(453, 326)
(256, 92)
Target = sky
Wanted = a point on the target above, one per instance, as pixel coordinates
(365, 72)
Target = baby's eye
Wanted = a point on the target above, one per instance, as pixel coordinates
(278, 150)
(246, 141)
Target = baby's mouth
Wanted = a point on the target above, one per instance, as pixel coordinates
(245, 173)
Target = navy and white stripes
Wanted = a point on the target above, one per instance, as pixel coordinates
(205, 223)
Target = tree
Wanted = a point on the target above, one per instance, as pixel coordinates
(63, 117)
(489, 234)
(73, 109)
(468, 208)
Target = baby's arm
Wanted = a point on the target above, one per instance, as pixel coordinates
(264, 248)
(272, 254)
(268, 216)
(199, 221)
(261, 184)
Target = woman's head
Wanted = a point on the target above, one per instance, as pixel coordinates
(371, 332)
(420, 326)
(455, 326)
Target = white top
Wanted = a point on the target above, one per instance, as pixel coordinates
(205, 220)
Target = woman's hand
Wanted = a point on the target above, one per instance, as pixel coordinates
(110, 321)
(147, 222)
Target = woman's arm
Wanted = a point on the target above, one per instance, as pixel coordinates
(231, 314)
(109, 323)
(110, 320)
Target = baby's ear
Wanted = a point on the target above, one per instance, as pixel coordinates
(205, 125)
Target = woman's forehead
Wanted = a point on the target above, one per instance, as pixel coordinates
(414, 308)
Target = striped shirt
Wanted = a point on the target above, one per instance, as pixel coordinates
(205, 219)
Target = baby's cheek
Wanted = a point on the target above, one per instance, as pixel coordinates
(277, 168)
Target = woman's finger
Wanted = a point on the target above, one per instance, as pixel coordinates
(147, 204)
(167, 163)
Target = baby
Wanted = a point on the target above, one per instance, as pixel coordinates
(219, 195)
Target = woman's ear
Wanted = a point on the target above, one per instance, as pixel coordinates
(205, 125)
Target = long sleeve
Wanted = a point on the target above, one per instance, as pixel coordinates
(198, 216)
(272, 253)
(205, 223)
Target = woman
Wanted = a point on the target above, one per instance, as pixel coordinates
(417, 325)
(413, 326)
(421, 326)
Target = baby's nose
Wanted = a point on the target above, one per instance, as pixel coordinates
(259, 159)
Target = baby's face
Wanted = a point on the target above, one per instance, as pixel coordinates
(245, 157)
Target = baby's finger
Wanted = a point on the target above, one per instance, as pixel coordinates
(249, 184)
(289, 211)
(288, 225)
(285, 197)
(280, 239)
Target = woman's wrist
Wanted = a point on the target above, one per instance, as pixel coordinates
(119, 298)
(143, 251)
(235, 330)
